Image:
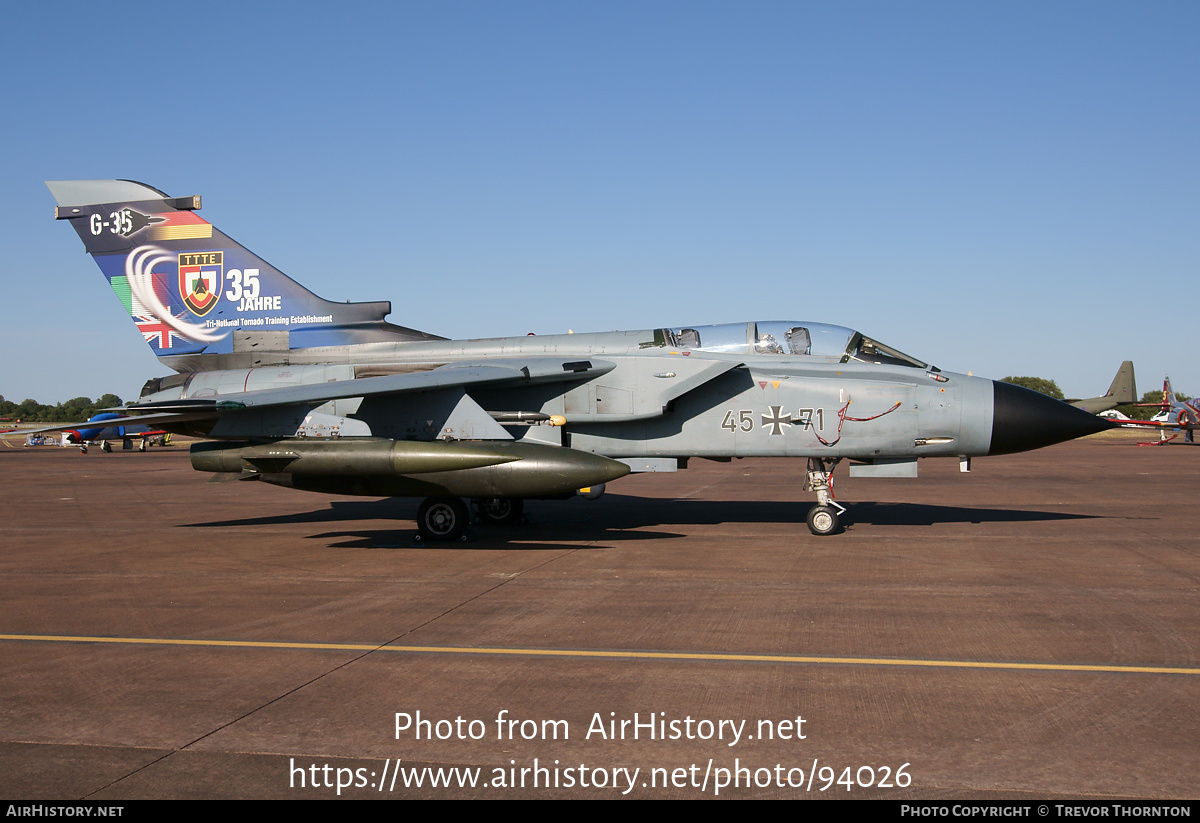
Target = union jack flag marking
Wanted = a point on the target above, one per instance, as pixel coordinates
(151, 327)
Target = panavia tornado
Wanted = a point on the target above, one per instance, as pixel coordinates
(298, 391)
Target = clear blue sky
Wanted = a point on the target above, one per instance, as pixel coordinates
(1006, 188)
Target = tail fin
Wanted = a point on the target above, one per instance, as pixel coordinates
(193, 292)
(1169, 400)
(1123, 390)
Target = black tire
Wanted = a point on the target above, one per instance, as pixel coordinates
(442, 519)
(500, 511)
(822, 520)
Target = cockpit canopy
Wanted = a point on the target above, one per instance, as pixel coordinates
(836, 344)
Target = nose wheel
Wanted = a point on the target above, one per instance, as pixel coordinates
(823, 518)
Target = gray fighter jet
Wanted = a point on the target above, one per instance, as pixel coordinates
(302, 392)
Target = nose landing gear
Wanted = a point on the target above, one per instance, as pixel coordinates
(823, 517)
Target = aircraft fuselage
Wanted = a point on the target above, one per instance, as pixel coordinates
(658, 401)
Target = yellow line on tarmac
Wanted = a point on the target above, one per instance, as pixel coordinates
(614, 653)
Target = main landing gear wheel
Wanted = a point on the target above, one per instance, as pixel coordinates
(442, 519)
(500, 511)
(822, 520)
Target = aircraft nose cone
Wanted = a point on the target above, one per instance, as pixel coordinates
(1023, 419)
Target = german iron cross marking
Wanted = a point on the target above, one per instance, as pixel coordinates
(776, 420)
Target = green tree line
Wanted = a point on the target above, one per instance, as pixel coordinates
(77, 409)
(1039, 384)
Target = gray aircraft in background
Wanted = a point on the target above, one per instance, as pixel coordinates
(1174, 413)
(302, 392)
(1120, 393)
(1181, 414)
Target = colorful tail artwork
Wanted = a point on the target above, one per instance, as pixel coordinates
(1168, 397)
(191, 290)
